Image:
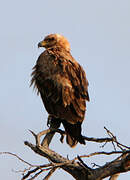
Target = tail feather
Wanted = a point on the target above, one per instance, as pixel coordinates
(73, 133)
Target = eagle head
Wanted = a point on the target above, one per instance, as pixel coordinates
(54, 40)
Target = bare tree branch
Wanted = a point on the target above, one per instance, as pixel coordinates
(98, 140)
(49, 174)
(102, 153)
(119, 145)
(114, 177)
(80, 169)
(12, 154)
(75, 167)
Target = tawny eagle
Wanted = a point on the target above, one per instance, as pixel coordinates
(62, 84)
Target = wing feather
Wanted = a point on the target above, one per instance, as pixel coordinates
(78, 79)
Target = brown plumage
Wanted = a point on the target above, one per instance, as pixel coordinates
(63, 86)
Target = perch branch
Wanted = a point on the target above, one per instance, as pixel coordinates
(80, 169)
(54, 157)
(76, 167)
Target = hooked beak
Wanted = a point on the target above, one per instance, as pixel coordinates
(42, 44)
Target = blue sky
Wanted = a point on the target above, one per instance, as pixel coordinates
(99, 34)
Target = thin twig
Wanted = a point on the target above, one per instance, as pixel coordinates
(29, 173)
(42, 168)
(36, 175)
(119, 145)
(9, 153)
(101, 153)
(50, 173)
(98, 140)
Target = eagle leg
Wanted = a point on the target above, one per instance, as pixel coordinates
(54, 124)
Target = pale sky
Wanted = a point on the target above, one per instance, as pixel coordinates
(99, 34)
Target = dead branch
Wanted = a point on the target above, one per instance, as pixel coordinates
(75, 167)
(98, 140)
(49, 174)
(114, 177)
(102, 153)
(80, 169)
(119, 145)
(12, 154)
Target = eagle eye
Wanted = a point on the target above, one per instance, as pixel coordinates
(52, 39)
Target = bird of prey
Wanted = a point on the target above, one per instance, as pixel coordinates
(62, 85)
